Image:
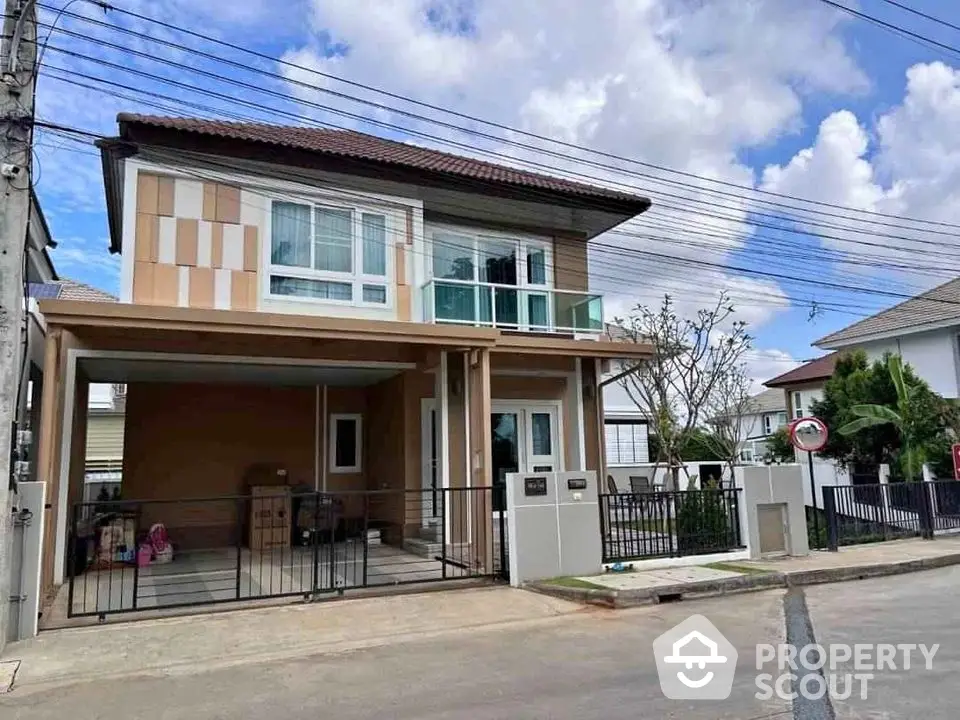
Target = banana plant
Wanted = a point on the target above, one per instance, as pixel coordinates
(912, 454)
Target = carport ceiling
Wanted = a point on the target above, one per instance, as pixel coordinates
(125, 370)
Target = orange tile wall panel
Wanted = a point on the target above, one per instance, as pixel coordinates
(201, 287)
(143, 282)
(187, 232)
(209, 201)
(147, 238)
(166, 284)
(251, 248)
(228, 204)
(216, 245)
(147, 193)
(243, 290)
(165, 195)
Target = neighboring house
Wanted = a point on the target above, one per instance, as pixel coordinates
(377, 320)
(803, 385)
(767, 414)
(924, 331)
(626, 430)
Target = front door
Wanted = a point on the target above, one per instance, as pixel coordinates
(525, 439)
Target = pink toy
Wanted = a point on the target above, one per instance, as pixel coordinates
(144, 555)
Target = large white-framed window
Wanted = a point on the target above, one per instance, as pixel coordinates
(626, 442)
(330, 253)
(346, 443)
(797, 405)
(490, 278)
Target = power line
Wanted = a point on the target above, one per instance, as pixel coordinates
(636, 252)
(922, 14)
(554, 170)
(454, 113)
(302, 118)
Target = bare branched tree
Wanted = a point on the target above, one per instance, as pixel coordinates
(727, 412)
(692, 356)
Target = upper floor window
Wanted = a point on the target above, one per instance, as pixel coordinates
(489, 279)
(626, 442)
(336, 254)
(797, 405)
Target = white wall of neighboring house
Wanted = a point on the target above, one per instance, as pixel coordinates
(932, 355)
(802, 400)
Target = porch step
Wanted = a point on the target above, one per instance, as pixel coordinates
(428, 548)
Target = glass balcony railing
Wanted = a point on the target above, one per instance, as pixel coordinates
(528, 309)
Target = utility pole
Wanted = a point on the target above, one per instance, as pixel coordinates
(18, 57)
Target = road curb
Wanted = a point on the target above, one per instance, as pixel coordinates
(616, 599)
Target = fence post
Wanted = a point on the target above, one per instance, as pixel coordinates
(930, 480)
(926, 516)
(883, 474)
(833, 524)
(504, 560)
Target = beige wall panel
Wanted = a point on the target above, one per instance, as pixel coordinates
(143, 277)
(201, 287)
(384, 446)
(404, 303)
(251, 248)
(166, 284)
(187, 239)
(147, 248)
(591, 418)
(512, 387)
(243, 290)
(216, 245)
(228, 204)
(187, 440)
(165, 196)
(78, 441)
(147, 193)
(209, 201)
(570, 264)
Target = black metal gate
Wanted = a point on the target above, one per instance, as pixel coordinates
(128, 556)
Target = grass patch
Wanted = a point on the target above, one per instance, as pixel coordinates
(573, 582)
(735, 567)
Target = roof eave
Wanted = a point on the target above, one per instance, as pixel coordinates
(136, 132)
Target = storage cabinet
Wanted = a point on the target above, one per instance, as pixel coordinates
(270, 519)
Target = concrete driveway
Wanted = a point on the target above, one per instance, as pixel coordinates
(476, 654)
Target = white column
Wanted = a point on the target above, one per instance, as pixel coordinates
(884, 473)
(442, 393)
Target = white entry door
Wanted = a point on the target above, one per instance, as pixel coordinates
(526, 438)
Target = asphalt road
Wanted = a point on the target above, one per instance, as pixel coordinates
(590, 665)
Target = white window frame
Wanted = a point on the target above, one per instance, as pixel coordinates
(768, 424)
(332, 446)
(797, 405)
(626, 421)
(524, 244)
(357, 279)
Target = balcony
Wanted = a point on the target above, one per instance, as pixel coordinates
(465, 302)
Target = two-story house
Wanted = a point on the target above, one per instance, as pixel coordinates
(924, 331)
(803, 385)
(314, 310)
(765, 414)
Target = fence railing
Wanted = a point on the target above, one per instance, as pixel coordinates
(638, 526)
(276, 543)
(872, 513)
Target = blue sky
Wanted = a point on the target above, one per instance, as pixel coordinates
(793, 98)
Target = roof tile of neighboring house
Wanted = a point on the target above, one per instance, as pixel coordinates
(819, 369)
(934, 307)
(349, 143)
(771, 400)
(68, 290)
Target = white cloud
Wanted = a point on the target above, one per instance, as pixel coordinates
(908, 168)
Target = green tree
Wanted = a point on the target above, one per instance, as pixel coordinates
(881, 413)
(779, 448)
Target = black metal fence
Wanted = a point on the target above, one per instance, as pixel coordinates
(872, 513)
(129, 556)
(640, 526)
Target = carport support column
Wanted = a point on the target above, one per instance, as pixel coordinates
(481, 458)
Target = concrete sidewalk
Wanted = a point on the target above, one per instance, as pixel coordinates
(632, 588)
(184, 645)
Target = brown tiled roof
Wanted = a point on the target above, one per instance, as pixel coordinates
(819, 369)
(932, 308)
(69, 290)
(360, 146)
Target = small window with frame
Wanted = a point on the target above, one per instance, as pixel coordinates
(346, 440)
